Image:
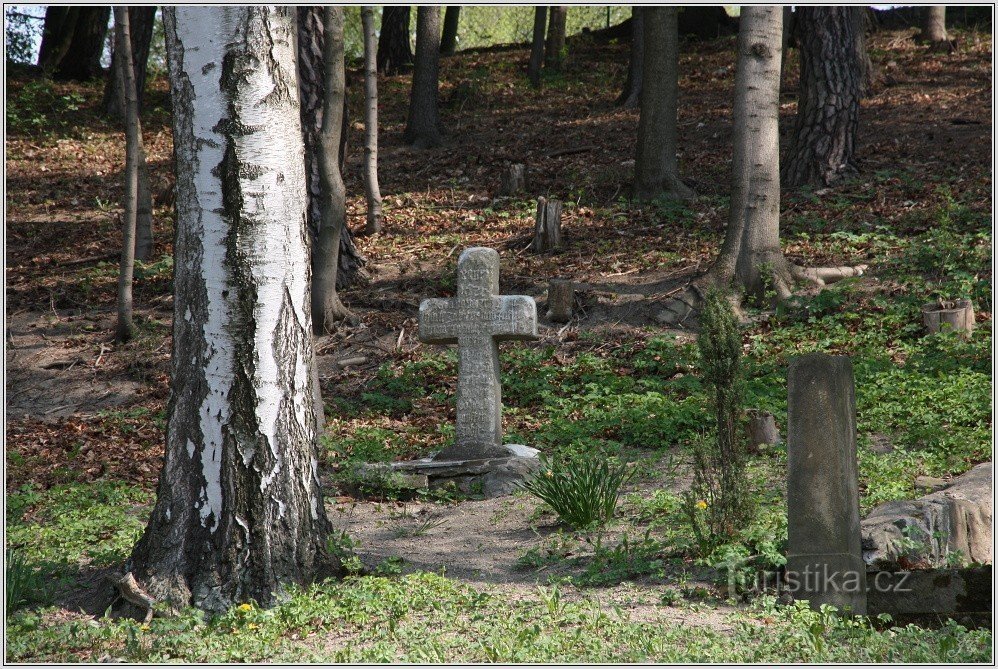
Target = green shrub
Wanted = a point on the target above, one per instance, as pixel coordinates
(22, 580)
(582, 491)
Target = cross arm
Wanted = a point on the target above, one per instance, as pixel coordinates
(514, 318)
(436, 321)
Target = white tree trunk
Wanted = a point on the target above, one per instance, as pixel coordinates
(371, 188)
(239, 512)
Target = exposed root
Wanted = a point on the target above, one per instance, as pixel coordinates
(129, 589)
(824, 275)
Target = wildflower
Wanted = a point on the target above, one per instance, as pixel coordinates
(245, 607)
(549, 473)
(701, 504)
(144, 627)
(252, 626)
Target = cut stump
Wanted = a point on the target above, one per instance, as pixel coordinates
(561, 300)
(547, 227)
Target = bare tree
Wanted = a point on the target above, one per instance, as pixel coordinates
(630, 97)
(554, 49)
(422, 129)
(371, 189)
(823, 141)
(394, 51)
(537, 47)
(141, 20)
(239, 512)
(656, 170)
(452, 18)
(133, 148)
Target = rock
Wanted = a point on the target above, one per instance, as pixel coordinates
(928, 484)
(937, 529)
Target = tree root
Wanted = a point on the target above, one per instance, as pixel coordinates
(130, 591)
(824, 275)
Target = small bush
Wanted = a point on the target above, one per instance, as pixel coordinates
(582, 491)
(21, 580)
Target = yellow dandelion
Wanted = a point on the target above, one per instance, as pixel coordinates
(144, 627)
(701, 504)
(245, 607)
(252, 626)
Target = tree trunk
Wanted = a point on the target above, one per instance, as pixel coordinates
(372, 191)
(326, 305)
(656, 170)
(630, 97)
(311, 83)
(82, 59)
(143, 212)
(751, 257)
(239, 512)
(537, 47)
(394, 52)
(554, 49)
(448, 42)
(422, 128)
(823, 141)
(934, 24)
(141, 20)
(57, 35)
(133, 149)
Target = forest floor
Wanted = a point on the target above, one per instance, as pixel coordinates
(85, 417)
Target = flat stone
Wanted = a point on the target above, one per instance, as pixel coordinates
(936, 529)
(927, 594)
(929, 484)
(491, 477)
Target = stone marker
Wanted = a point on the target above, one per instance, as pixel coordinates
(476, 320)
(561, 300)
(824, 553)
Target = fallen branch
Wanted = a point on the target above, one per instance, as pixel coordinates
(825, 275)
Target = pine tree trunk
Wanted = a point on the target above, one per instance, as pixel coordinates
(57, 35)
(422, 129)
(630, 97)
(656, 170)
(326, 305)
(394, 51)
(823, 141)
(372, 190)
(311, 70)
(239, 512)
(141, 20)
(934, 24)
(554, 49)
(537, 47)
(133, 149)
(82, 59)
(452, 18)
(750, 256)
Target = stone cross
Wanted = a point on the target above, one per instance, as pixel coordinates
(824, 543)
(476, 320)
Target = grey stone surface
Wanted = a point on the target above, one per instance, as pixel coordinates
(952, 525)
(929, 593)
(930, 484)
(490, 477)
(476, 320)
(822, 484)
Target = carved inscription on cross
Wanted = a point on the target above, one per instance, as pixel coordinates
(476, 320)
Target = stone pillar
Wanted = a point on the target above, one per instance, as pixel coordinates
(824, 555)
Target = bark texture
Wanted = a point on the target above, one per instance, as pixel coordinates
(554, 49)
(239, 512)
(394, 51)
(822, 144)
(133, 148)
(547, 226)
(934, 24)
(311, 88)
(81, 59)
(422, 129)
(372, 190)
(141, 21)
(57, 35)
(630, 97)
(537, 47)
(452, 18)
(656, 170)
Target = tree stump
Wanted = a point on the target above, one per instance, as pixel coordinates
(547, 228)
(561, 300)
(513, 180)
(944, 314)
(761, 429)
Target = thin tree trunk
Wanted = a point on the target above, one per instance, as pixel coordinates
(143, 212)
(57, 35)
(142, 21)
(630, 97)
(823, 141)
(537, 47)
(82, 60)
(239, 512)
(934, 24)
(326, 305)
(371, 189)
(422, 128)
(133, 149)
(656, 170)
(394, 51)
(750, 256)
(554, 49)
(452, 18)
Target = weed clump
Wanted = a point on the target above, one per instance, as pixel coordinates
(582, 491)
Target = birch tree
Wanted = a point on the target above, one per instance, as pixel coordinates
(239, 512)
(371, 189)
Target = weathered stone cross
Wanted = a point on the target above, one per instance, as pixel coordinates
(476, 320)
